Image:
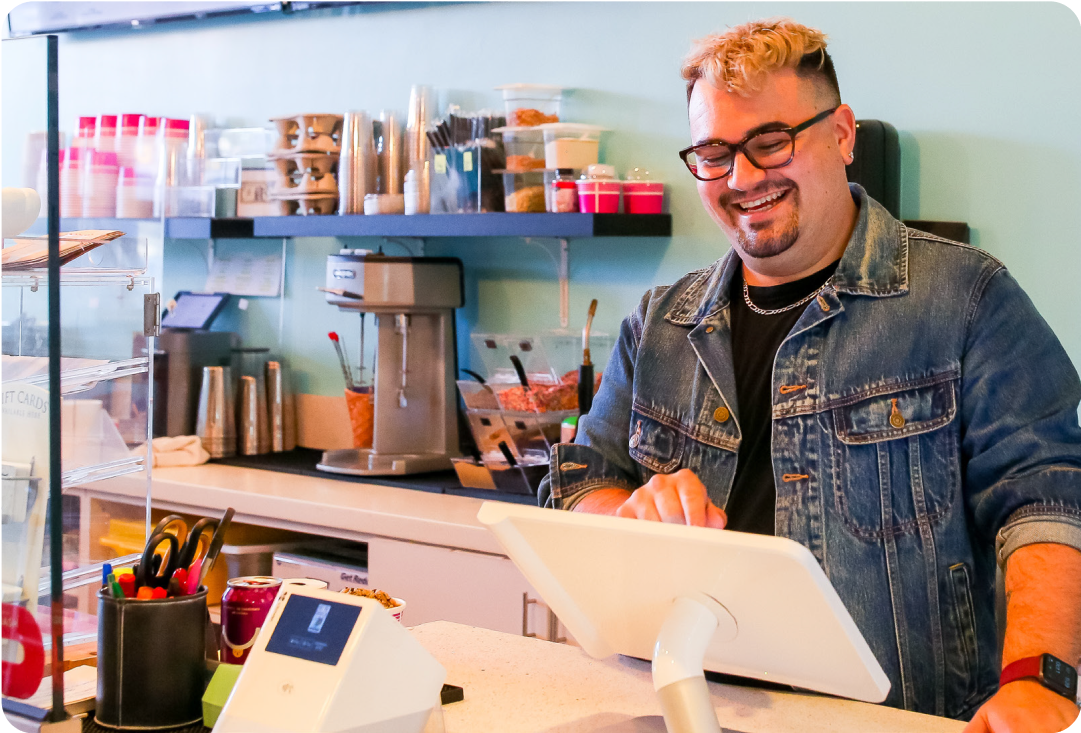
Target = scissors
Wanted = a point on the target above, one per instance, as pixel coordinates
(189, 545)
(146, 573)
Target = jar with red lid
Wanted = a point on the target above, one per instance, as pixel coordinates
(562, 195)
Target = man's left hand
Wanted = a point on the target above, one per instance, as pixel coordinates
(1024, 706)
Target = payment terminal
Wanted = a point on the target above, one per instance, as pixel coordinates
(329, 661)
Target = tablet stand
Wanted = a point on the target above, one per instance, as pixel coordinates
(678, 658)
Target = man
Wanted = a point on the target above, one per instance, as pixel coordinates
(889, 399)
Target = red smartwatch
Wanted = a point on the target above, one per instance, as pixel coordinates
(1050, 671)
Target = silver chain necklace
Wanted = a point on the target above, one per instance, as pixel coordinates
(765, 312)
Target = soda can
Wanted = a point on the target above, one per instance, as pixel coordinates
(244, 608)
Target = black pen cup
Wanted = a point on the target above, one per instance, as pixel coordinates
(151, 661)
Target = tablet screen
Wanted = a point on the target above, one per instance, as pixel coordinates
(313, 629)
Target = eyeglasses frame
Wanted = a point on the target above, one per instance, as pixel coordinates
(740, 146)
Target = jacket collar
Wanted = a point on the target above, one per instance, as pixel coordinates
(875, 263)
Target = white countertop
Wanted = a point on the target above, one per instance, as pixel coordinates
(514, 684)
(321, 506)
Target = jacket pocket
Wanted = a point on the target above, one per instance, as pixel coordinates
(895, 456)
(962, 651)
(653, 444)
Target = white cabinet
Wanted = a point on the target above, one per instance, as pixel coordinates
(444, 584)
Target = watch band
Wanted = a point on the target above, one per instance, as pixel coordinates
(1050, 671)
(1022, 668)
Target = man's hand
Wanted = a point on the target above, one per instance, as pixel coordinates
(1043, 614)
(1024, 706)
(677, 498)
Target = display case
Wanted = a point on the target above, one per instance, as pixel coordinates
(77, 377)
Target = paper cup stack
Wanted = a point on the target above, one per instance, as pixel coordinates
(306, 161)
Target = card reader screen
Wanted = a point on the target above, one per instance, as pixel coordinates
(313, 629)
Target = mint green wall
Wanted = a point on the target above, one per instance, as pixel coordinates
(985, 96)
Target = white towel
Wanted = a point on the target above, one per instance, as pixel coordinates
(183, 450)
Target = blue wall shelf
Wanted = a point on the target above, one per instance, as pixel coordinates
(560, 226)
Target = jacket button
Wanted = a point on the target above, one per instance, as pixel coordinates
(721, 414)
(897, 420)
(634, 441)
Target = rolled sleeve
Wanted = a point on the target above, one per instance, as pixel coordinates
(1038, 524)
(1021, 440)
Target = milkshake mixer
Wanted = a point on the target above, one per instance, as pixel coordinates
(415, 426)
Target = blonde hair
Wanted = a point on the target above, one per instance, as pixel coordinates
(739, 59)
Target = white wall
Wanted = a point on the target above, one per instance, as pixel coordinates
(985, 96)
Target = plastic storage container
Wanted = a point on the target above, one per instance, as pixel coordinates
(571, 145)
(599, 190)
(642, 194)
(524, 147)
(524, 192)
(529, 105)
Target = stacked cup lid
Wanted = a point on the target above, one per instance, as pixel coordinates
(306, 159)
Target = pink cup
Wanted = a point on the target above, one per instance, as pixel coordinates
(643, 197)
(599, 196)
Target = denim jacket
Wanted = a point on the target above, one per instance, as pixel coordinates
(920, 406)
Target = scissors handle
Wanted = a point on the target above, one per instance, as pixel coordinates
(191, 550)
(160, 578)
(167, 522)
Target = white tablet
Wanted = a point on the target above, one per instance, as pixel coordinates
(612, 581)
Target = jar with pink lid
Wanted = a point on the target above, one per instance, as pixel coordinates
(99, 188)
(642, 194)
(105, 140)
(599, 190)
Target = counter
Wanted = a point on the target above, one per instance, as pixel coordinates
(353, 510)
(518, 685)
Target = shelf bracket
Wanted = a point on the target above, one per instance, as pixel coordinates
(563, 273)
(564, 283)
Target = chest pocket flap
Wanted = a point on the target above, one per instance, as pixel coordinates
(655, 445)
(898, 414)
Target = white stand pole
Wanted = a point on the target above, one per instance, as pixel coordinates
(677, 664)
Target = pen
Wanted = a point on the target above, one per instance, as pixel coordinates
(115, 587)
(106, 570)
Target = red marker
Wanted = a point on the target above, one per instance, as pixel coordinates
(181, 578)
(127, 584)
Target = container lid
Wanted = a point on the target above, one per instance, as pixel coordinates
(638, 174)
(74, 155)
(127, 121)
(564, 184)
(175, 126)
(87, 125)
(107, 121)
(127, 173)
(600, 172)
(570, 127)
(530, 91)
(518, 130)
(150, 124)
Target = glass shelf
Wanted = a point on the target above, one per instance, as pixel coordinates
(76, 379)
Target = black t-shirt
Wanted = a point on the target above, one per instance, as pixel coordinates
(755, 340)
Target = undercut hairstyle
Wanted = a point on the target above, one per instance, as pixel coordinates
(739, 59)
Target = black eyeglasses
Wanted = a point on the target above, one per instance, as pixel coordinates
(764, 150)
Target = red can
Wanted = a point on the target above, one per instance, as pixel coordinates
(244, 608)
